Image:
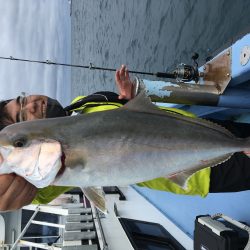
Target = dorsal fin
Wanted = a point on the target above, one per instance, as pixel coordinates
(142, 103)
(214, 126)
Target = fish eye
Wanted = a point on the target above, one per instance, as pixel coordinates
(19, 143)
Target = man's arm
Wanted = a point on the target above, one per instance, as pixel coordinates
(15, 192)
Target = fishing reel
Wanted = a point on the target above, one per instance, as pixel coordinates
(184, 72)
(187, 73)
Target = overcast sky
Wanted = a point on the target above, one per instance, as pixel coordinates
(38, 30)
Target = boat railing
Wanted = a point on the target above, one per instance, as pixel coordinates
(105, 244)
(4, 246)
(76, 224)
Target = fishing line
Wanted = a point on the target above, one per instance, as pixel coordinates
(183, 72)
(170, 75)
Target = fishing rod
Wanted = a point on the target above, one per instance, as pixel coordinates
(182, 72)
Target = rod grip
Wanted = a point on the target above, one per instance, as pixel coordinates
(165, 75)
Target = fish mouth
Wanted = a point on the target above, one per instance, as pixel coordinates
(62, 169)
(39, 163)
(43, 109)
(49, 161)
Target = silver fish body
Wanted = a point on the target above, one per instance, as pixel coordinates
(128, 145)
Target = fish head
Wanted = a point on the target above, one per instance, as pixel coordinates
(30, 155)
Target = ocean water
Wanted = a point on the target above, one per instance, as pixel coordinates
(149, 35)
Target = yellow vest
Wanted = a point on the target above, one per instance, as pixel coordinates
(198, 184)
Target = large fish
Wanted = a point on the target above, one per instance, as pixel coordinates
(135, 143)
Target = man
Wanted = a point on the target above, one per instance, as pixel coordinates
(15, 192)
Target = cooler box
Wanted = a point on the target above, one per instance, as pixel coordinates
(220, 232)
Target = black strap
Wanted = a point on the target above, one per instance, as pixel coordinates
(102, 96)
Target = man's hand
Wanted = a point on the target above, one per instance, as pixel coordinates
(124, 84)
(15, 192)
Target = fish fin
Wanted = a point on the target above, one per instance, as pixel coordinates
(181, 178)
(220, 160)
(213, 125)
(202, 122)
(142, 103)
(96, 195)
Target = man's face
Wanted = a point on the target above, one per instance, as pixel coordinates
(27, 108)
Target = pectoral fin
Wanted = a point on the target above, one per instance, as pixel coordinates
(96, 196)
